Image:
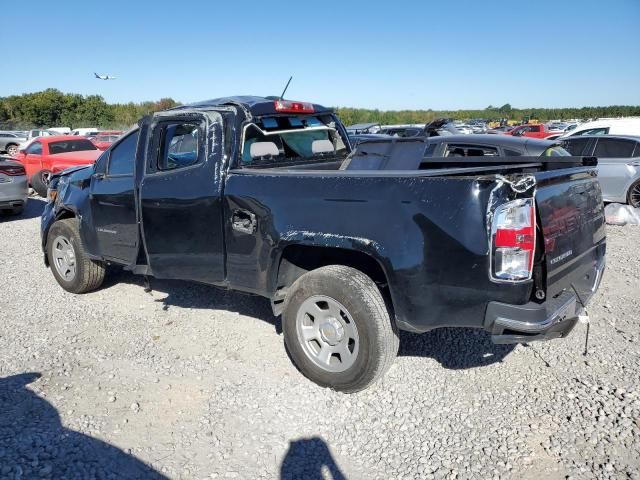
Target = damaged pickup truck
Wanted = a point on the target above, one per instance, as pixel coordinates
(264, 195)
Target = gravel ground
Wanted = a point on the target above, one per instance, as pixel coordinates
(193, 382)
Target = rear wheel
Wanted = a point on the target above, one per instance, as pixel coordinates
(633, 196)
(12, 149)
(40, 182)
(337, 328)
(72, 268)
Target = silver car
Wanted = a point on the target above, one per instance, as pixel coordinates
(9, 142)
(14, 188)
(618, 164)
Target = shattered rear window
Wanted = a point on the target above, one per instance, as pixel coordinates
(290, 139)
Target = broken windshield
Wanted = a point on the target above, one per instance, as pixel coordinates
(289, 139)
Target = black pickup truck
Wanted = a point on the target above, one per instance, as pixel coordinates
(265, 196)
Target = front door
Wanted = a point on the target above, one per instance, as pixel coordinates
(181, 198)
(32, 160)
(112, 199)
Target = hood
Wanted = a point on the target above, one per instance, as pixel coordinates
(82, 172)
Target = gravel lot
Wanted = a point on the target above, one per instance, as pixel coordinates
(193, 382)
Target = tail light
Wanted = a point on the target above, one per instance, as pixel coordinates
(287, 106)
(12, 170)
(513, 241)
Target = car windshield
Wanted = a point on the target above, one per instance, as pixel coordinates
(290, 139)
(66, 146)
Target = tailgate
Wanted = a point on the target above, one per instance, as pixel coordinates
(571, 216)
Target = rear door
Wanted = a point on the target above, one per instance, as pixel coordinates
(181, 197)
(616, 169)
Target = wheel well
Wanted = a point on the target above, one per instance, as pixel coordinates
(297, 260)
(65, 214)
(62, 214)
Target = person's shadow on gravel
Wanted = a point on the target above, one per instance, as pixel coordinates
(306, 458)
(454, 348)
(34, 444)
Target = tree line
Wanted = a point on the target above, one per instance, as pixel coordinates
(52, 108)
(390, 117)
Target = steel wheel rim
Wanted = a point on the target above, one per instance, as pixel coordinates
(635, 196)
(45, 177)
(327, 333)
(64, 258)
(12, 150)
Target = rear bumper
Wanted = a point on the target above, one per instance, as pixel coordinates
(14, 193)
(554, 318)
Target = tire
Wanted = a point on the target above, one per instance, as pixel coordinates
(633, 195)
(87, 274)
(40, 182)
(363, 320)
(11, 149)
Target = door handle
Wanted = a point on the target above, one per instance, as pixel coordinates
(243, 221)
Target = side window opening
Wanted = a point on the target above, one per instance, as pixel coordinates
(470, 151)
(35, 148)
(430, 150)
(614, 148)
(576, 147)
(122, 156)
(179, 145)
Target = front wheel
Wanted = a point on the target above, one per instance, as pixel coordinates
(633, 196)
(337, 328)
(12, 150)
(71, 267)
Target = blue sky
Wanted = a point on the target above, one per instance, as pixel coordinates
(439, 54)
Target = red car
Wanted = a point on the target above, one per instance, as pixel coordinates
(47, 155)
(532, 131)
(104, 141)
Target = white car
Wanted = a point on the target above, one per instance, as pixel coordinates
(31, 134)
(611, 126)
(85, 132)
(465, 129)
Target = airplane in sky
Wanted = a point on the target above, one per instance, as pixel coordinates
(104, 77)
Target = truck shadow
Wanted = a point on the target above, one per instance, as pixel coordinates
(453, 348)
(185, 294)
(34, 444)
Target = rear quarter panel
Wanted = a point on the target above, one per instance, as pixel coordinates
(616, 176)
(429, 235)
